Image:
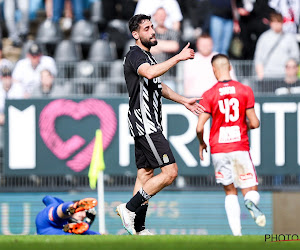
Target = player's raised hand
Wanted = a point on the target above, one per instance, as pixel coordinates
(202, 147)
(193, 105)
(186, 53)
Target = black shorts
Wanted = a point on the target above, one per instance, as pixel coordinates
(153, 151)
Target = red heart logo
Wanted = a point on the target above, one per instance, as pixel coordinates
(64, 149)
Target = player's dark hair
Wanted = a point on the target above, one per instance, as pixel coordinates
(136, 20)
(217, 56)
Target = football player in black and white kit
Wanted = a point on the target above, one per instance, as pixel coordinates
(152, 150)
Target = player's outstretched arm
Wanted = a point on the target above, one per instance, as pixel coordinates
(200, 131)
(152, 71)
(190, 103)
(253, 121)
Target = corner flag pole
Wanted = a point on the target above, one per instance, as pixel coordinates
(101, 207)
(96, 176)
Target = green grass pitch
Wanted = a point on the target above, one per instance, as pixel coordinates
(166, 242)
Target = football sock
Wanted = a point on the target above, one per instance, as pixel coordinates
(252, 196)
(136, 201)
(55, 215)
(233, 212)
(65, 207)
(140, 217)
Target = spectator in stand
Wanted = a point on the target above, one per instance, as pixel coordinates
(174, 15)
(274, 47)
(17, 31)
(291, 82)
(48, 88)
(198, 73)
(1, 30)
(118, 9)
(168, 39)
(28, 70)
(254, 20)
(77, 11)
(223, 22)
(3, 61)
(290, 10)
(8, 90)
(167, 46)
(198, 11)
(49, 8)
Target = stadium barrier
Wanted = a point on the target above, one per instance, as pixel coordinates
(198, 213)
(87, 78)
(34, 126)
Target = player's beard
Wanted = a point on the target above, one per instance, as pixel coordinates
(148, 43)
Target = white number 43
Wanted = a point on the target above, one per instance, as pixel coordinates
(225, 105)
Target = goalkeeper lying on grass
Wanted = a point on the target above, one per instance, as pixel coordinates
(65, 218)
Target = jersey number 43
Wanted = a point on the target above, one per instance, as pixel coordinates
(226, 106)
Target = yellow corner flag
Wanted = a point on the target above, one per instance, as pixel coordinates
(97, 162)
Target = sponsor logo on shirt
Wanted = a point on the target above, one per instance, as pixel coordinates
(219, 175)
(229, 134)
(50, 214)
(247, 176)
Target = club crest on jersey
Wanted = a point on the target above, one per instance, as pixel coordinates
(227, 90)
(165, 158)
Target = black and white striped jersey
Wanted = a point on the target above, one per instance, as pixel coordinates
(144, 114)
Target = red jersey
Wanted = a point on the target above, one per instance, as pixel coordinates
(227, 102)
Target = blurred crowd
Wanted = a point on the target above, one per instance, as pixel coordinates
(38, 36)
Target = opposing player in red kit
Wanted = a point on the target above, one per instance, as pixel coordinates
(231, 106)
